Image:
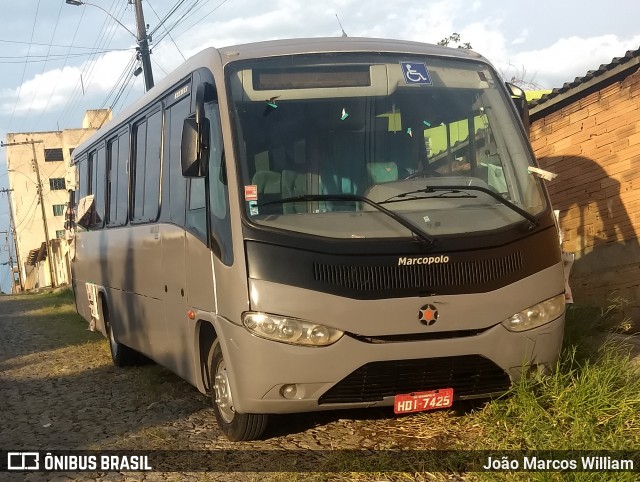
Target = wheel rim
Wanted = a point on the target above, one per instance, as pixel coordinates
(223, 400)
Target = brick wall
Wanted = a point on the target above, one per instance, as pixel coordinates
(593, 144)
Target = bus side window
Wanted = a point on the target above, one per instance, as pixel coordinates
(146, 194)
(117, 180)
(99, 187)
(218, 187)
(175, 185)
(196, 209)
(83, 168)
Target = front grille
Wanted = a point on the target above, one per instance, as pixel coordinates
(389, 277)
(468, 375)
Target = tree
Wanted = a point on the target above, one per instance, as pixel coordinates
(455, 39)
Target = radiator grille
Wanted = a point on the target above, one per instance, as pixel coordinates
(389, 277)
(468, 375)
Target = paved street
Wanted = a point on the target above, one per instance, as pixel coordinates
(59, 390)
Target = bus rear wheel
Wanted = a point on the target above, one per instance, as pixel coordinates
(236, 426)
(121, 354)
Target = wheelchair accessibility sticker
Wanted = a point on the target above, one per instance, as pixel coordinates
(415, 73)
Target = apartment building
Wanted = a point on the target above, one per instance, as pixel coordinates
(37, 164)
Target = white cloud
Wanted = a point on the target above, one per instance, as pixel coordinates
(569, 57)
(522, 38)
(54, 88)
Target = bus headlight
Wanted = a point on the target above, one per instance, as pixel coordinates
(290, 330)
(536, 315)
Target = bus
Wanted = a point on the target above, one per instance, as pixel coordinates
(321, 224)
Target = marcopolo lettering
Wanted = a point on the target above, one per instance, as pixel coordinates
(404, 261)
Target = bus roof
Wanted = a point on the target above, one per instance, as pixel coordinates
(336, 44)
(274, 48)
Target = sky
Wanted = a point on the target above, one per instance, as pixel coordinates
(58, 60)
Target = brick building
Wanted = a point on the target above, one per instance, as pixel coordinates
(588, 132)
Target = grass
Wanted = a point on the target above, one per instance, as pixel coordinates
(591, 402)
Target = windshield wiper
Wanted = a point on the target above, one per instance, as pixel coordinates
(353, 198)
(460, 191)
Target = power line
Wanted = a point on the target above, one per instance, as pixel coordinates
(33, 29)
(187, 13)
(166, 17)
(88, 68)
(168, 33)
(131, 85)
(124, 77)
(48, 45)
(90, 65)
(53, 57)
(199, 19)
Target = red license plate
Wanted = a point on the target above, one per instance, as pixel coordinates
(422, 401)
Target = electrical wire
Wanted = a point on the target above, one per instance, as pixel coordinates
(159, 66)
(166, 17)
(199, 19)
(44, 65)
(122, 89)
(89, 67)
(168, 33)
(18, 42)
(187, 12)
(35, 203)
(47, 58)
(123, 77)
(24, 71)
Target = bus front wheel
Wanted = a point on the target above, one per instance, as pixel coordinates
(236, 426)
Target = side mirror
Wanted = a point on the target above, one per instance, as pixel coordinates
(520, 101)
(194, 151)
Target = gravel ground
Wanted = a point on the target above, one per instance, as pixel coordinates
(59, 390)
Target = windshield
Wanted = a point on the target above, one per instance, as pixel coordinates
(384, 127)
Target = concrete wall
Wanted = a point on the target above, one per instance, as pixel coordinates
(25, 200)
(593, 143)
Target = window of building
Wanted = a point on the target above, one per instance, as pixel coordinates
(53, 155)
(58, 209)
(60, 233)
(57, 183)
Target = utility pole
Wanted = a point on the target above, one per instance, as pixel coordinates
(36, 168)
(14, 235)
(142, 37)
(143, 43)
(10, 263)
(44, 216)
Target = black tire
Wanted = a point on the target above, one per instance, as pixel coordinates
(236, 426)
(121, 355)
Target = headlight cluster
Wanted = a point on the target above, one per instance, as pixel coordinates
(537, 315)
(290, 330)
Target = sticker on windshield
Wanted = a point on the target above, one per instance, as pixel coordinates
(415, 73)
(253, 208)
(251, 192)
